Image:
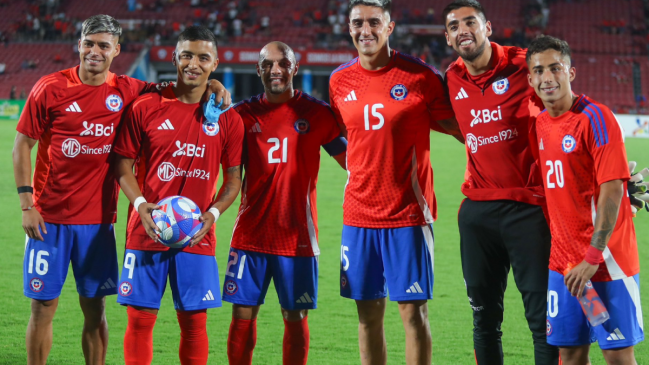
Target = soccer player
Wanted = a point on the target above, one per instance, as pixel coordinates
(69, 212)
(501, 221)
(582, 157)
(177, 152)
(388, 102)
(276, 234)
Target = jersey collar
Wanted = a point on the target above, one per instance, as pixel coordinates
(72, 75)
(388, 67)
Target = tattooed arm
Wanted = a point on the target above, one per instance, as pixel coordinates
(230, 188)
(608, 206)
(228, 192)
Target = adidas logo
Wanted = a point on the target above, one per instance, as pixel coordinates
(166, 125)
(209, 296)
(462, 95)
(74, 107)
(306, 298)
(351, 96)
(255, 128)
(109, 284)
(541, 145)
(616, 336)
(415, 289)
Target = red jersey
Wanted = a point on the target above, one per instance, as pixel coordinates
(283, 157)
(579, 151)
(388, 115)
(178, 153)
(493, 111)
(75, 126)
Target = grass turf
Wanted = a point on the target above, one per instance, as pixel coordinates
(333, 325)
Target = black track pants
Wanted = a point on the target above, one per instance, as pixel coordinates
(495, 235)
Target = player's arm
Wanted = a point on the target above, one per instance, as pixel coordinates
(32, 219)
(608, 206)
(213, 87)
(341, 159)
(452, 127)
(228, 192)
(124, 175)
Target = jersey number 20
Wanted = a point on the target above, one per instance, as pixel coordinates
(556, 169)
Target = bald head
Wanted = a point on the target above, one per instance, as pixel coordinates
(277, 66)
(277, 46)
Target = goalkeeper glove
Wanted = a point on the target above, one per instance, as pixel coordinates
(638, 189)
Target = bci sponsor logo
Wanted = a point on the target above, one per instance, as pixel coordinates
(72, 148)
(189, 150)
(485, 116)
(97, 130)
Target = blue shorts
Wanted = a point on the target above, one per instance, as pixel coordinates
(89, 247)
(373, 261)
(194, 279)
(249, 273)
(567, 324)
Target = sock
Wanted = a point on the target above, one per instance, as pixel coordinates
(194, 344)
(296, 342)
(138, 340)
(241, 341)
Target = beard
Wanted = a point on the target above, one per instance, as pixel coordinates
(279, 89)
(470, 56)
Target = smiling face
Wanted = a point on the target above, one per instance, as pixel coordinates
(97, 51)
(550, 76)
(467, 32)
(370, 28)
(276, 67)
(195, 61)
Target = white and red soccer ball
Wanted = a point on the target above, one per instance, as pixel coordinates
(177, 220)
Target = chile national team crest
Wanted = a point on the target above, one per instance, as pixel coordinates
(568, 143)
(125, 289)
(36, 285)
(501, 86)
(302, 126)
(398, 92)
(211, 129)
(114, 103)
(230, 287)
(548, 328)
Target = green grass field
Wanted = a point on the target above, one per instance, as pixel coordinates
(333, 325)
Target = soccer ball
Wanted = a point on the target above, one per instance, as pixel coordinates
(177, 220)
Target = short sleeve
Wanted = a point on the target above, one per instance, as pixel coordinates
(334, 107)
(34, 119)
(233, 148)
(129, 139)
(437, 99)
(606, 143)
(333, 142)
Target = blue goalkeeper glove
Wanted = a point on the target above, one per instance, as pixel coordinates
(637, 188)
(212, 111)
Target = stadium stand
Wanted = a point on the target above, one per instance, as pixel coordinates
(608, 37)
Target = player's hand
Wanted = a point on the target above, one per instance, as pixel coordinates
(163, 85)
(207, 219)
(32, 221)
(215, 87)
(637, 188)
(576, 279)
(145, 210)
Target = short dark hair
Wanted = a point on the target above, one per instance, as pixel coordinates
(198, 33)
(101, 23)
(385, 5)
(545, 42)
(457, 4)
